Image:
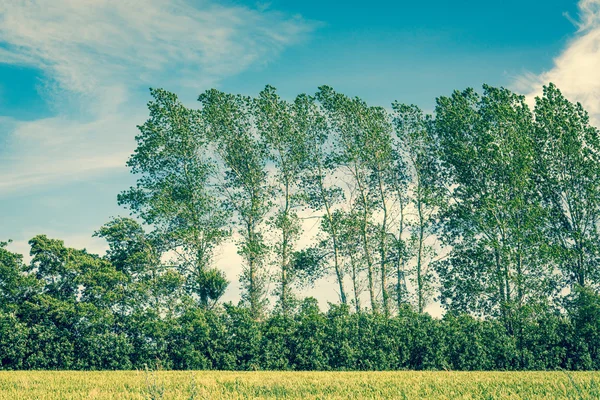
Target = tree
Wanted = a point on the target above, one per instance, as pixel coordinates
(319, 187)
(493, 217)
(363, 135)
(130, 249)
(283, 128)
(400, 252)
(583, 305)
(567, 150)
(417, 144)
(137, 255)
(56, 266)
(349, 223)
(72, 275)
(11, 278)
(245, 185)
(175, 192)
(379, 156)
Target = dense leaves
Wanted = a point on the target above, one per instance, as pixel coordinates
(97, 329)
(487, 206)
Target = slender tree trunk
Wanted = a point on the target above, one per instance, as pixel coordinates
(334, 239)
(365, 241)
(383, 249)
(284, 295)
(507, 283)
(355, 283)
(580, 264)
(501, 288)
(400, 260)
(520, 277)
(254, 290)
(251, 272)
(338, 271)
(285, 298)
(420, 280)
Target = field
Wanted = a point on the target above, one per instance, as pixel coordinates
(298, 385)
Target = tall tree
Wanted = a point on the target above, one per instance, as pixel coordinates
(56, 266)
(245, 186)
(567, 150)
(494, 216)
(72, 275)
(363, 135)
(350, 248)
(320, 186)
(283, 128)
(417, 145)
(175, 193)
(399, 180)
(380, 160)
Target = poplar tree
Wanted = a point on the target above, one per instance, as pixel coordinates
(363, 135)
(567, 150)
(283, 127)
(175, 193)
(320, 186)
(498, 261)
(417, 144)
(244, 184)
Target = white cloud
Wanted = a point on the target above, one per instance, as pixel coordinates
(576, 69)
(84, 44)
(97, 54)
(589, 14)
(59, 149)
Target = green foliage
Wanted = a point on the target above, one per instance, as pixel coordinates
(283, 128)
(13, 342)
(15, 288)
(306, 265)
(173, 192)
(49, 331)
(245, 186)
(584, 308)
(418, 145)
(492, 205)
(568, 178)
(493, 218)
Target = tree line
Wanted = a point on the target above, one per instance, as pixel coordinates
(487, 206)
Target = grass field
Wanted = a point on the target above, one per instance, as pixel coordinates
(298, 385)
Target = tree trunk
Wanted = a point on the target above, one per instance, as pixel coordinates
(383, 250)
(336, 262)
(355, 283)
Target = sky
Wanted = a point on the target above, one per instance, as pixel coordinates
(74, 79)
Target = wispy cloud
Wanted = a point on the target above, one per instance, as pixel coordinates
(97, 54)
(589, 15)
(83, 44)
(576, 69)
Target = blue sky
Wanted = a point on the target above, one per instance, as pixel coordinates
(74, 76)
(415, 51)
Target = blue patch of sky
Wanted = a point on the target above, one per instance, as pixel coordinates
(20, 96)
(414, 51)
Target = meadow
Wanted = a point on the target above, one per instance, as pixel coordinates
(58, 385)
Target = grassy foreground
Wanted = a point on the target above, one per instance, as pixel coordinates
(298, 385)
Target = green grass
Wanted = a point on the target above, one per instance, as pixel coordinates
(49, 385)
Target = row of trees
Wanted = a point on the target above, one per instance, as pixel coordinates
(491, 203)
(74, 310)
(487, 206)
